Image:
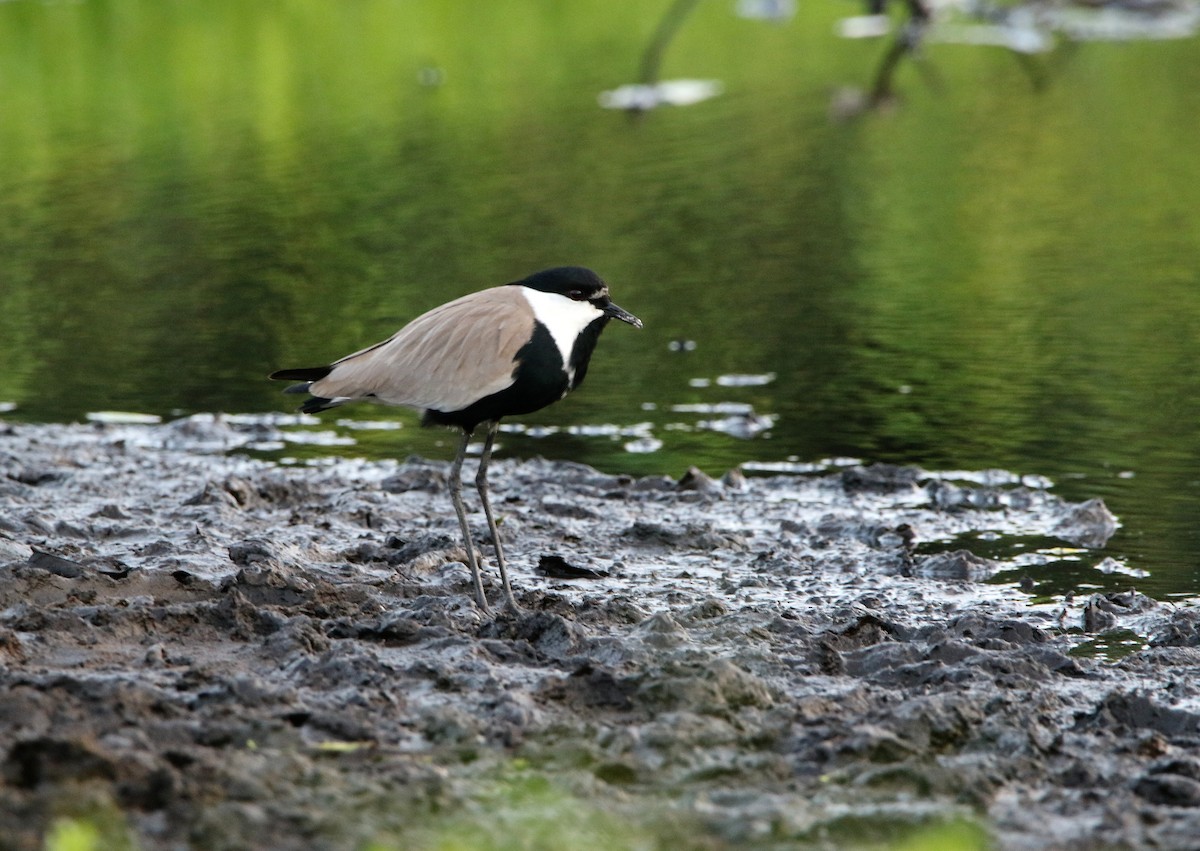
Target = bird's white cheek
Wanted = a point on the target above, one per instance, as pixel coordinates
(563, 318)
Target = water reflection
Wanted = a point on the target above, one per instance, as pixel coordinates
(644, 96)
(991, 278)
(1026, 29)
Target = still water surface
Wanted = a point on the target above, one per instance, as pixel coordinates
(984, 275)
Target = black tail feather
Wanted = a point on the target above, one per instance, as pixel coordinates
(317, 404)
(306, 376)
(307, 373)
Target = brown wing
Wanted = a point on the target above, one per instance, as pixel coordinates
(445, 359)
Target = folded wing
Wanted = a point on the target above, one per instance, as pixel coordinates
(444, 360)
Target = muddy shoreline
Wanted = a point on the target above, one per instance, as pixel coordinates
(199, 649)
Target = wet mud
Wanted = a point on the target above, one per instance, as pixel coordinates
(215, 651)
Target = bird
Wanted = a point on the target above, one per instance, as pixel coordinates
(502, 351)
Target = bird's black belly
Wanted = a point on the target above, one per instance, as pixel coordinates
(539, 380)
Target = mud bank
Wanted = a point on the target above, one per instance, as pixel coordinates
(201, 649)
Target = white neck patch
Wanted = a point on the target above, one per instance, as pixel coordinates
(563, 318)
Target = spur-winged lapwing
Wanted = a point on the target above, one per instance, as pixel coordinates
(506, 350)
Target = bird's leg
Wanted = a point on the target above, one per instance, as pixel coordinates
(481, 483)
(461, 511)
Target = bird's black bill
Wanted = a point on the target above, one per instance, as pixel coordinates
(624, 315)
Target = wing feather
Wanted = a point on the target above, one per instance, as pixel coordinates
(445, 359)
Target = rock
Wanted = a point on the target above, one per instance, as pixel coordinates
(957, 565)
(696, 479)
(695, 536)
(574, 511)
(705, 610)
(654, 483)
(47, 760)
(1103, 612)
(716, 688)
(252, 552)
(416, 478)
(880, 478)
(1182, 630)
(1089, 524)
(734, 479)
(13, 551)
(1171, 790)
(1139, 712)
(36, 475)
(549, 633)
(662, 630)
(876, 744)
(556, 567)
(57, 565)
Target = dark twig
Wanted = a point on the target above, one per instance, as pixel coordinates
(907, 43)
(668, 27)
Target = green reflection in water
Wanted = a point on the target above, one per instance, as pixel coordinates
(193, 194)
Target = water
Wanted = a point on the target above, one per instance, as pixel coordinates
(986, 275)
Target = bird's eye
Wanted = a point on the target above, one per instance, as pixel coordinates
(576, 295)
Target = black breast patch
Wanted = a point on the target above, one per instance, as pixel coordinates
(539, 380)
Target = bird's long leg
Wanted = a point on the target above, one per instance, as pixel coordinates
(481, 483)
(461, 511)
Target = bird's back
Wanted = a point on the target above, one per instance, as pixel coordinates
(443, 360)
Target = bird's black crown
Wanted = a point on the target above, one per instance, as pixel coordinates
(575, 282)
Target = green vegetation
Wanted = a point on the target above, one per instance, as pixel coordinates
(524, 811)
(90, 826)
(521, 809)
(527, 811)
(73, 835)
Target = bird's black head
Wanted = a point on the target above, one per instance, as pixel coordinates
(579, 284)
(575, 282)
